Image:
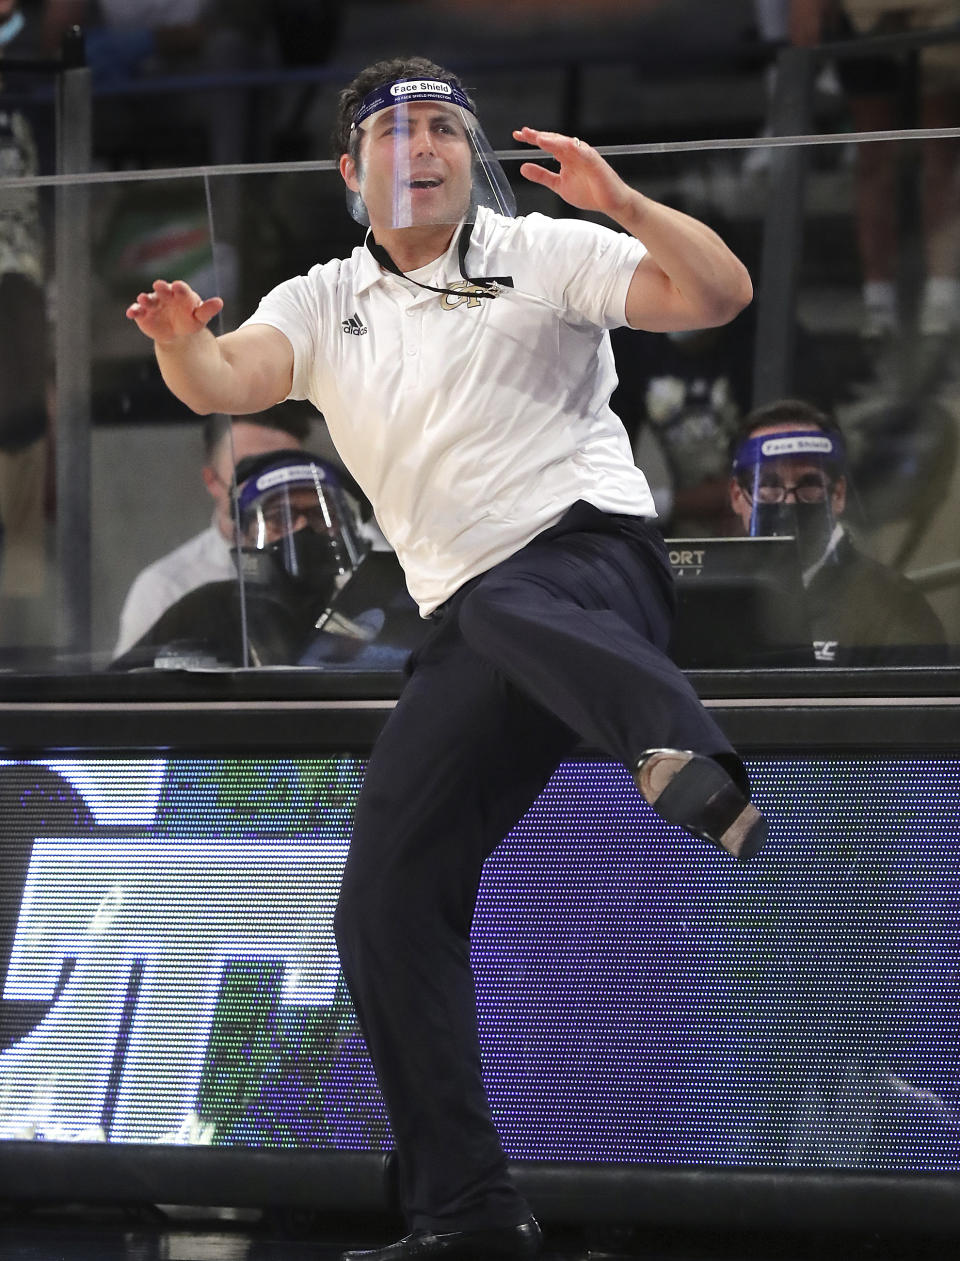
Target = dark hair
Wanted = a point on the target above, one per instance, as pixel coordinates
(784, 411)
(344, 139)
(285, 418)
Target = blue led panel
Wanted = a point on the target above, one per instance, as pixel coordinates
(169, 973)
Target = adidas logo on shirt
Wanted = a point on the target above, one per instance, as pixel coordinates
(355, 326)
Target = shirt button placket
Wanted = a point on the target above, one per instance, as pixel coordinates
(412, 332)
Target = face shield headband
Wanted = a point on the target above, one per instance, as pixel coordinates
(436, 164)
(789, 478)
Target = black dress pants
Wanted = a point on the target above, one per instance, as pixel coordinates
(560, 643)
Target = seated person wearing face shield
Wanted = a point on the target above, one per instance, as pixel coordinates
(308, 591)
(206, 557)
(790, 479)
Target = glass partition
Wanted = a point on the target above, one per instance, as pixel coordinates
(162, 502)
(27, 154)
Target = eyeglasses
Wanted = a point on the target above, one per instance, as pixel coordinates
(275, 521)
(809, 490)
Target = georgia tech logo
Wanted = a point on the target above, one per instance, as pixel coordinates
(115, 939)
(468, 293)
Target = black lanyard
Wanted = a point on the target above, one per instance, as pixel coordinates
(488, 286)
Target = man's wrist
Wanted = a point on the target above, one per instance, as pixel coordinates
(630, 211)
(182, 341)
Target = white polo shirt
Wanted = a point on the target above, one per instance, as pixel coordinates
(204, 558)
(471, 423)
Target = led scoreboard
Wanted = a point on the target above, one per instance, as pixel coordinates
(170, 974)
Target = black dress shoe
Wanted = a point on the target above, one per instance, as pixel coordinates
(458, 1245)
(698, 794)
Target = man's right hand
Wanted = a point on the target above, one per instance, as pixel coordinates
(241, 372)
(172, 311)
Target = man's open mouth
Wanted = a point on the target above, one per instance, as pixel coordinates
(432, 182)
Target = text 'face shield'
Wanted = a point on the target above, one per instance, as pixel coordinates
(423, 158)
(795, 485)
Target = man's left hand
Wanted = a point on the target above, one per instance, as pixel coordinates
(687, 278)
(585, 179)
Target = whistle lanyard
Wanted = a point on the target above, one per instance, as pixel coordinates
(489, 286)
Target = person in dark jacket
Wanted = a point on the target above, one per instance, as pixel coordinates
(790, 478)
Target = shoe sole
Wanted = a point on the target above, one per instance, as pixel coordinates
(696, 793)
(522, 1241)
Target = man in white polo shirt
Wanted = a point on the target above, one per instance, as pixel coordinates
(462, 361)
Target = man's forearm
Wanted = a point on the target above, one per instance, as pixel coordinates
(241, 372)
(708, 275)
(196, 371)
(689, 278)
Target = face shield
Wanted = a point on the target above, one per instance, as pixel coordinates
(298, 529)
(794, 484)
(421, 157)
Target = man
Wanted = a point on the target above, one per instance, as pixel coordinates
(789, 478)
(462, 362)
(312, 591)
(206, 557)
